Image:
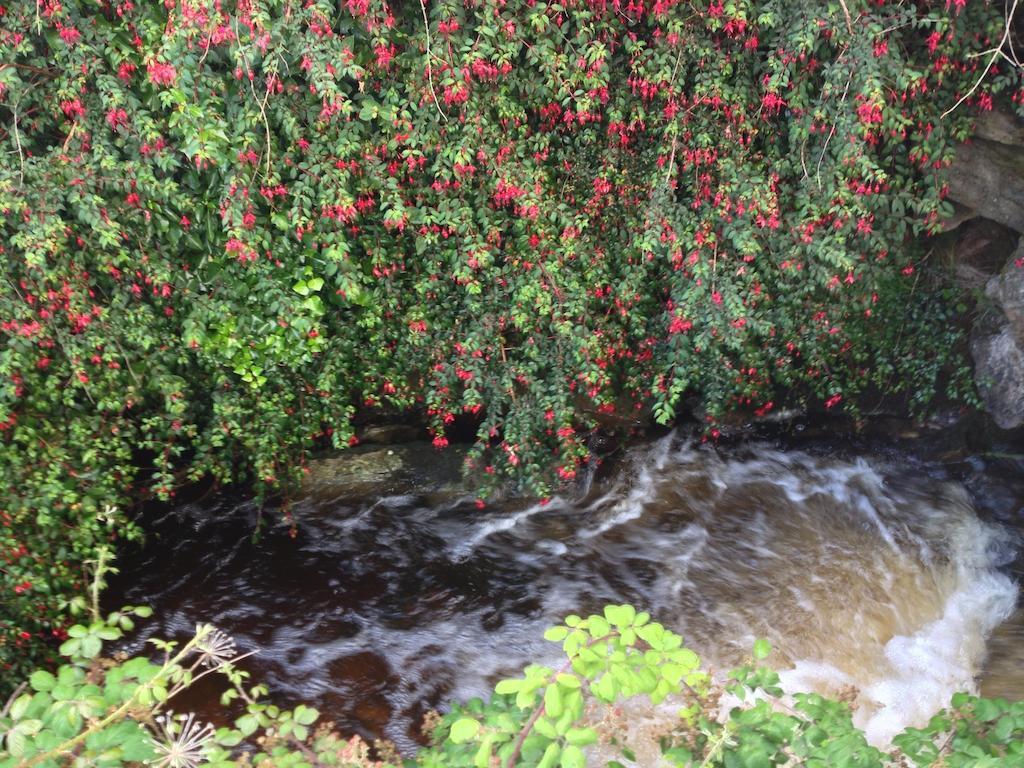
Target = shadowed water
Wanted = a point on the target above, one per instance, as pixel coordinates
(869, 571)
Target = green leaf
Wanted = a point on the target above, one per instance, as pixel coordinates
(551, 755)
(41, 680)
(598, 627)
(556, 634)
(505, 687)
(16, 743)
(621, 616)
(464, 729)
(572, 757)
(247, 724)
(581, 737)
(20, 706)
(553, 701)
(762, 648)
(568, 681)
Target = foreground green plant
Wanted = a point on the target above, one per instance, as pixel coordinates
(103, 712)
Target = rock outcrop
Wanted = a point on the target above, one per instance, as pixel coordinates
(987, 175)
(997, 345)
(986, 186)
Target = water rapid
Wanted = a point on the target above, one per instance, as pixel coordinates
(872, 574)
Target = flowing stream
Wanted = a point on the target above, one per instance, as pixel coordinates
(884, 570)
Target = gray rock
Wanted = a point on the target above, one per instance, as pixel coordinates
(988, 177)
(997, 345)
(999, 374)
(976, 251)
(1000, 127)
(961, 214)
(390, 434)
(1007, 291)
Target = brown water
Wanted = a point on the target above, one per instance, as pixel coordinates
(885, 565)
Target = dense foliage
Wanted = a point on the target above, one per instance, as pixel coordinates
(99, 712)
(228, 224)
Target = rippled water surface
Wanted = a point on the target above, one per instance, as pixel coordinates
(887, 570)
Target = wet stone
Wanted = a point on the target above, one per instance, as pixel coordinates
(363, 673)
(411, 468)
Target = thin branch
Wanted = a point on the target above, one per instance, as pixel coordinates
(1009, 38)
(430, 68)
(17, 143)
(14, 696)
(523, 734)
(250, 76)
(672, 155)
(992, 60)
(831, 133)
(849, 20)
(671, 161)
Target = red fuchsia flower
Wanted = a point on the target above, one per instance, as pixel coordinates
(116, 118)
(70, 35)
(72, 109)
(125, 71)
(440, 442)
(679, 325)
(448, 27)
(161, 73)
(771, 102)
(869, 114)
(384, 55)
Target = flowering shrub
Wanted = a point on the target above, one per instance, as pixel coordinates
(228, 225)
(114, 713)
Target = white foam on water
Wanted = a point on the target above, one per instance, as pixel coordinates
(504, 522)
(919, 672)
(641, 491)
